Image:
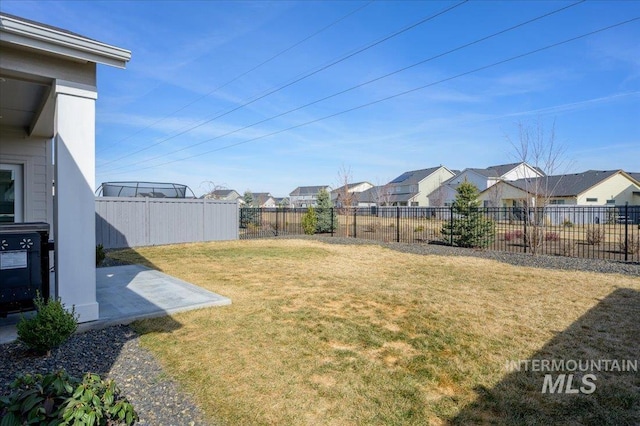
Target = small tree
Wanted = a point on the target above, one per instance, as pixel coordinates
(539, 148)
(309, 221)
(469, 227)
(324, 212)
(249, 214)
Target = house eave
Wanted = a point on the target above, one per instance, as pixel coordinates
(30, 35)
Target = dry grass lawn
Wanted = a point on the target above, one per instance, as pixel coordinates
(348, 335)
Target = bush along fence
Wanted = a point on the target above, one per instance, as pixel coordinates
(611, 232)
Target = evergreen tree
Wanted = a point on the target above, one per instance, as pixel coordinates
(324, 211)
(249, 213)
(468, 227)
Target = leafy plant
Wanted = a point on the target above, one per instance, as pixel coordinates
(567, 223)
(97, 401)
(418, 228)
(51, 325)
(309, 221)
(59, 399)
(100, 254)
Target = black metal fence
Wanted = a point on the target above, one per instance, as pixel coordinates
(611, 232)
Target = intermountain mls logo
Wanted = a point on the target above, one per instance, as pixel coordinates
(571, 376)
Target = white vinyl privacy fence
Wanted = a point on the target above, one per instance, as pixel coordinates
(134, 222)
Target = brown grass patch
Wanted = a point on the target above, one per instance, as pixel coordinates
(331, 334)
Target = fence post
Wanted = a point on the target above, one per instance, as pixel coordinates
(525, 237)
(277, 221)
(451, 223)
(626, 231)
(332, 221)
(355, 214)
(398, 224)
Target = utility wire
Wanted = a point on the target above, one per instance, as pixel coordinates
(513, 58)
(359, 85)
(297, 80)
(282, 52)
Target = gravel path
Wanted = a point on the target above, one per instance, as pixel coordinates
(112, 352)
(115, 351)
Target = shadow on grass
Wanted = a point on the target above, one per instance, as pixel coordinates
(607, 332)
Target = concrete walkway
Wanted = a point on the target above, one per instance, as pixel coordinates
(132, 292)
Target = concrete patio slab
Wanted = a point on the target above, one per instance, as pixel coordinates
(132, 292)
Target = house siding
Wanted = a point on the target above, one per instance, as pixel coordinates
(33, 154)
(617, 187)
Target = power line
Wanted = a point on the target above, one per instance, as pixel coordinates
(362, 84)
(297, 80)
(233, 80)
(531, 52)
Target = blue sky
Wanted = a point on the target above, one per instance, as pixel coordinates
(183, 110)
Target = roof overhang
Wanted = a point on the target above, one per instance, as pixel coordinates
(32, 35)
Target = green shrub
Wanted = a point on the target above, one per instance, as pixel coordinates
(567, 223)
(51, 325)
(418, 228)
(59, 399)
(309, 221)
(100, 255)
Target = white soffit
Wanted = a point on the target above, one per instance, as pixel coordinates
(41, 37)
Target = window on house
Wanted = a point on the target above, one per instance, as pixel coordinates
(611, 202)
(592, 200)
(556, 202)
(11, 193)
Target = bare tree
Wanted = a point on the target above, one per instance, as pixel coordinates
(539, 148)
(212, 187)
(383, 194)
(346, 200)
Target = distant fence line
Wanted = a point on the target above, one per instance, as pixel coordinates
(134, 222)
(600, 232)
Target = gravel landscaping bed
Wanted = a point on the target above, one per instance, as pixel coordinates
(115, 353)
(517, 259)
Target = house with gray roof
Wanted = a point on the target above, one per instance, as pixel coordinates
(483, 179)
(349, 192)
(223, 194)
(589, 188)
(306, 196)
(412, 188)
(263, 199)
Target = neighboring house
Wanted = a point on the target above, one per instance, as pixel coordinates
(282, 202)
(306, 196)
(263, 199)
(373, 196)
(413, 187)
(48, 91)
(590, 188)
(223, 194)
(483, 179)
(352, 189)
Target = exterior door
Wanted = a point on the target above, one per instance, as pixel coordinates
(11, 193)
